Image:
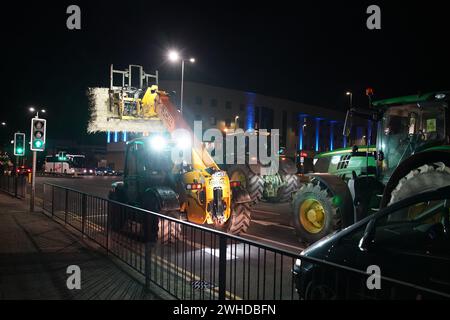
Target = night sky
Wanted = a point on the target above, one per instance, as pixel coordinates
(308, 51)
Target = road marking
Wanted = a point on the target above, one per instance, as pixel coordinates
(191, 276)
(273, 241)
(216, 253)
(268, 223)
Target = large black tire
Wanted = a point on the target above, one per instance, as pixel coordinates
(252, 182)
(315, 215)
(167, 230)
(428, 177)
(291, 185)
(116, 219)
(239, 220)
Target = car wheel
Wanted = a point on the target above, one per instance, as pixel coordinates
(317, 291)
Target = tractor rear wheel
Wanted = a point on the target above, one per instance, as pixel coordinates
(167, 230)
(252, 182)
(291, 185)
(239, 221)
(425, 178)
(315, 215)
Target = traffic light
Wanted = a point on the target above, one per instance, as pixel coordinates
(38, 134)
(62, 156)
(19, 144)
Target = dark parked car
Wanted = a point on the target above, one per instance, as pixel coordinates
(409, 241)
(105, 171)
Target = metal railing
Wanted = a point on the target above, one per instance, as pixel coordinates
(14, 185)
(197, 263)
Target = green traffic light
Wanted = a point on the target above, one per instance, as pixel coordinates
(38, 144)
(19, 151)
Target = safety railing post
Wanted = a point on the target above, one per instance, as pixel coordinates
(53, 201)
(66, 205)
(83, 212)
(222, 266)
(147, 252)
(15, 185)
(108, 220)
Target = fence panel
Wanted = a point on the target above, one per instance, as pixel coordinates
(14, 185)
(193, 262)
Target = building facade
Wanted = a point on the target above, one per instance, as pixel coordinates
(302, 127)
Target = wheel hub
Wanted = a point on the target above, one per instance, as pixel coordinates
(312, 216)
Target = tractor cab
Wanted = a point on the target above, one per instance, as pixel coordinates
(409, 125)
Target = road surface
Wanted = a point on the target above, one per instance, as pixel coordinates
(271, 223)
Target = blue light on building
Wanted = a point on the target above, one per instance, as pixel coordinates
(332, 135)
(108, 137)
(317, 134)
(250, 123)
(124, 136)
(116, 136)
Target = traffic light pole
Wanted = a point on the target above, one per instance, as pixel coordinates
(33, 183)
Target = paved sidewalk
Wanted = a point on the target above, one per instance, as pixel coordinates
(35, 252)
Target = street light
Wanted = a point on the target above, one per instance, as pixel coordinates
(350, 94)
(4, 124)
(235, 122)
(33, 109)
(174, 56)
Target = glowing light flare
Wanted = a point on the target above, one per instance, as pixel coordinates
(158, 143)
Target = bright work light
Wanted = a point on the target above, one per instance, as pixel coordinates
(158, 142)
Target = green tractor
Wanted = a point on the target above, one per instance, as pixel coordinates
(412, 155)
(266, 185)
(275, 187)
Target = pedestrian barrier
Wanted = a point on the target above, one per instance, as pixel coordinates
(194, 262)
(14, 185)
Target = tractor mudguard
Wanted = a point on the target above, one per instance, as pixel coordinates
(240, 195)
(117, 192)
(413, 162)
(167, 198)
(287, 166)
(341, 194)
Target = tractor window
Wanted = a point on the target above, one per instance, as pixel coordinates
(399, 126)
(131, 161)
(141, 160)
(433, 122)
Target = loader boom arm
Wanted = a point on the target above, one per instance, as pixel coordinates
(172, 119)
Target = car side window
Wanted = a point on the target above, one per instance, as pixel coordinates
(424, 218)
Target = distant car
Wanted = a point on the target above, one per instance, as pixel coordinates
(105, 171)
(23, 170)
(409, 241)
(89, 171)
